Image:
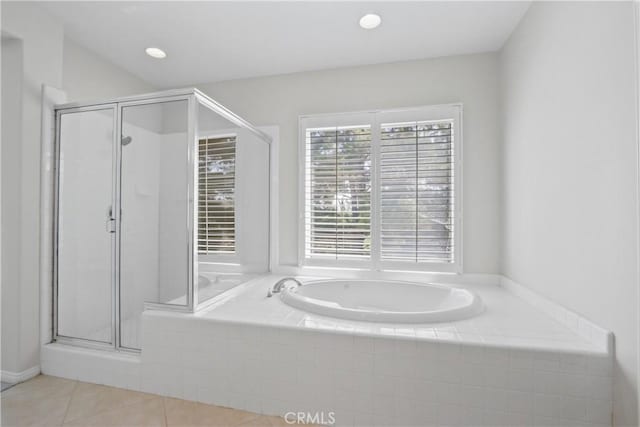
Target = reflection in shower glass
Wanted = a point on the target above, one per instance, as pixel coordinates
(216, 195)
(154, 198)
(233, 204)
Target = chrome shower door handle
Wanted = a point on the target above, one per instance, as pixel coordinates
(111, 221)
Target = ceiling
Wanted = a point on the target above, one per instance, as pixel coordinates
(214, 41)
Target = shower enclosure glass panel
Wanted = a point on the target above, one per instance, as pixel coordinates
(161, 202)
(85, 238)
(154, 211)
(233, 203)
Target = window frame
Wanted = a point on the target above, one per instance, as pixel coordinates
(228, 258)
(375, 118)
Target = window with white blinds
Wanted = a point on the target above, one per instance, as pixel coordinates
(216, 195)
(381, 189)
(416, 191)
(338, 192)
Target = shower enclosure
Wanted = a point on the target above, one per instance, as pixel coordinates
(161, 202)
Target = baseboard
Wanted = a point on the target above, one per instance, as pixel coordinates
(574, 321)
(18, 377)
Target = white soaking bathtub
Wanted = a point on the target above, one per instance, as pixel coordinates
(383, 301)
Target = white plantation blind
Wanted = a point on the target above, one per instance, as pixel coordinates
(338, 192)
(216, 195)
(382, 189)
(417, 191)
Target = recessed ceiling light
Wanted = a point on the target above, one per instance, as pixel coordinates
(154, 52)
(370, 21)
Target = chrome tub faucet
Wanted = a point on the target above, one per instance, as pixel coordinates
(280, 284)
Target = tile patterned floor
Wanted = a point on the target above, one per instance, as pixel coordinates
(51, 401)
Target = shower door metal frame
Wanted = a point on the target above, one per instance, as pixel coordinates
(117, 107)
(194, 98)
(83, 342)
(190, 191)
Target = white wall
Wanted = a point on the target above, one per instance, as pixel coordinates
(11, 131)
(42, 40)
(570, 171)
(41, 64)
(87, 76)
(471, 79)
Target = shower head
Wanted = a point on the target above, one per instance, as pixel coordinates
(125, 140)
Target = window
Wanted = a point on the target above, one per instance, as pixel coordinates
(216, 195)
(381, 189)
(338, 192)
(416, 191)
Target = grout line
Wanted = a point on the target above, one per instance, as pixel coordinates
(100, 412)
(164, 410)
(66, 411)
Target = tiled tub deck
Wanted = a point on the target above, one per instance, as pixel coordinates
(511, 366)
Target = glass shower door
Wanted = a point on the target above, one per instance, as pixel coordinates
(85, 229)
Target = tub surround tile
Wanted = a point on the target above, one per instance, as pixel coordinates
(525, 384)
(394, 378)
(573, 321)
(510, 319)
(512, 365)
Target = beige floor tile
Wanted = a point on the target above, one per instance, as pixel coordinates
(40, 387)
(41, 401)
(50, 401)
(21, 411)
(147, 413)
(182, 413)
(91, 399)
